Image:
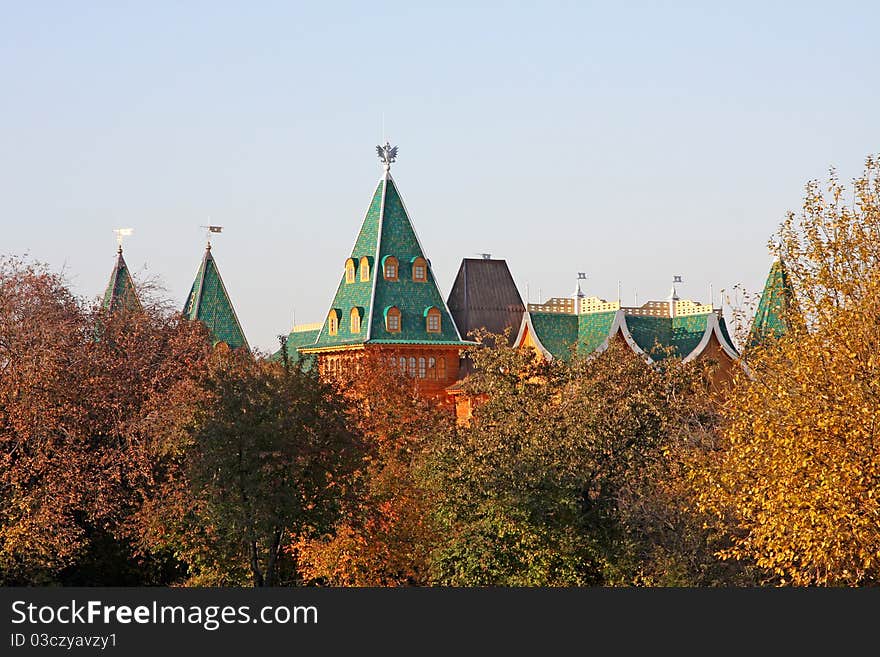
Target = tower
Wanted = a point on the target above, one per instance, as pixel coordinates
(387, 302)
(770, 317)
(209, 303)
(120, 293)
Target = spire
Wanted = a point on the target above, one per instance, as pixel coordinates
(579, 293)
(770, 318)
(673, 297)
(120, 293)
(209, 303)
(387, 274)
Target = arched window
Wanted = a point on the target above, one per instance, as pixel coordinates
(441, 368)
(365, 269)
(422, 371)
(333, 322)
(389, 268)
(432, 319)
(402, 365)
(432, 368)
(419, 270)
(355, 319)
(412, 367)
(349, 271)
(392, 319)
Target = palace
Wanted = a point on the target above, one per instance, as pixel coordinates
(387, 304)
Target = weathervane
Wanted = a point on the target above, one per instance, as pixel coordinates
(209, 230)
(673, 294)
(387, 154)
(120, 233)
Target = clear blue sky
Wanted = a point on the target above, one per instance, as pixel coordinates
(628, 140)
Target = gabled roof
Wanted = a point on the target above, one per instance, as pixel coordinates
(681, 334)
(386, 232)
(120, 293)
(559, 333)
(209, 303)
(485, 296)
(770, 318)
(296, 339)
(688, 336)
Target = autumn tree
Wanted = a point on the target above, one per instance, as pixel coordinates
(796, 479)
(385, 535)
(77, 385)
(257, 453)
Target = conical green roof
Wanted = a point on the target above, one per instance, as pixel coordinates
(209, 302)
(770, 319)
(387, 232)
(120, 293)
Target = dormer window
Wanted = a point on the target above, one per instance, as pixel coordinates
(389, 268)
(349, 271)
(365, 269)
(333, 322)
(392, 319)
(432, 320)
(419, 270)
(355, 319)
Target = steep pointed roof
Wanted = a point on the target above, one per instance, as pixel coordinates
(387, 232)
(770, 318)
(120, 293)
(209, 302)
(485, 296)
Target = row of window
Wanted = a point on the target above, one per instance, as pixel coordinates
(392, 320)
(390, 269)
(423, 367)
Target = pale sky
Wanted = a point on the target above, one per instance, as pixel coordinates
(632, 141)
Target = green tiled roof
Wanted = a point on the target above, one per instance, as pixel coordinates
(295, 340)
(557, 332)
(722, 325)
(770, 322)
(683, 334)
(120, 292)
(209, 302)
(593, 329)
(387, 231)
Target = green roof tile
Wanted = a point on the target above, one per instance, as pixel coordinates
(593, 329)
(295, 340)
(120, 293)
(683, 333)
(209, 302)
(770, 321)
(557, 332)
(387, 231)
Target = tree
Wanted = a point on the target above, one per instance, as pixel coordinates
(562, 475)
(385, 535)
(795, 480)
(76, 386)
(259, 453)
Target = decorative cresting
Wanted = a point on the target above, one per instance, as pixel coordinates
(388, 155)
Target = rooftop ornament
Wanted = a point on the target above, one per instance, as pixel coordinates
(387, 154)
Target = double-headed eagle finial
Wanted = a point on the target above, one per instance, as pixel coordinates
(387, 154)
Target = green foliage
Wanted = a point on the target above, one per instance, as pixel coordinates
(563, 475)
(264, 452)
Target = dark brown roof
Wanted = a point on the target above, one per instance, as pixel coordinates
(485, 296)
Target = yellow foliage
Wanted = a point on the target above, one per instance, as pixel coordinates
(795, 481)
